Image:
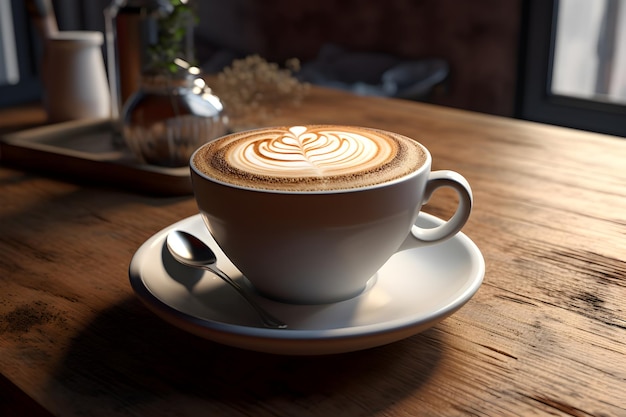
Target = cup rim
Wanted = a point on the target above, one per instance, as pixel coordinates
(425, 166)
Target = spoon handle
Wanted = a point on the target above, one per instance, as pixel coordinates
(267, 319)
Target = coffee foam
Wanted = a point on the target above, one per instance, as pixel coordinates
(310, 158)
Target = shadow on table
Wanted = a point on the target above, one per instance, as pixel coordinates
(128, 358)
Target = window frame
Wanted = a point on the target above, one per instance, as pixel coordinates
(535, 101)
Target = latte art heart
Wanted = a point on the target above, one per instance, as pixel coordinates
(316, 152)
(309, 158)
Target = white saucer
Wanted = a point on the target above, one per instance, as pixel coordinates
(415, 289)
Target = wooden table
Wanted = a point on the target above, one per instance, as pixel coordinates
(544, 335)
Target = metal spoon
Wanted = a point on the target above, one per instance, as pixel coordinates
(191, 251)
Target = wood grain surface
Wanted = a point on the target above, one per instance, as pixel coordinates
(544, 335)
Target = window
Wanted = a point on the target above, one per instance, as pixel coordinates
(573, 70)
(9, 71)
(19, 81)
(590, 50)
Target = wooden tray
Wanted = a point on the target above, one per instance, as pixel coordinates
(89, 150)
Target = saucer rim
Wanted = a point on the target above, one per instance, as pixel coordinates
(342, 339)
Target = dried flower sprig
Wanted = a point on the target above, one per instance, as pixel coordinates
(253, 90)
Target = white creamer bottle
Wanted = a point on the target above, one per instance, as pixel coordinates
(74, 76)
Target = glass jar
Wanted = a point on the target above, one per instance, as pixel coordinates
(167, 119)
(145, 36)
(164, 109)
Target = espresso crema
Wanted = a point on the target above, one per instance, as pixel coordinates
(309, 158)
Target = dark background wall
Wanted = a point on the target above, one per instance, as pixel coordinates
(479, 39)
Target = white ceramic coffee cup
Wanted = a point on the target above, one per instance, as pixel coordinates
(315, 247)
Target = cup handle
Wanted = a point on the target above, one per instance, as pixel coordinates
(450, 228)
